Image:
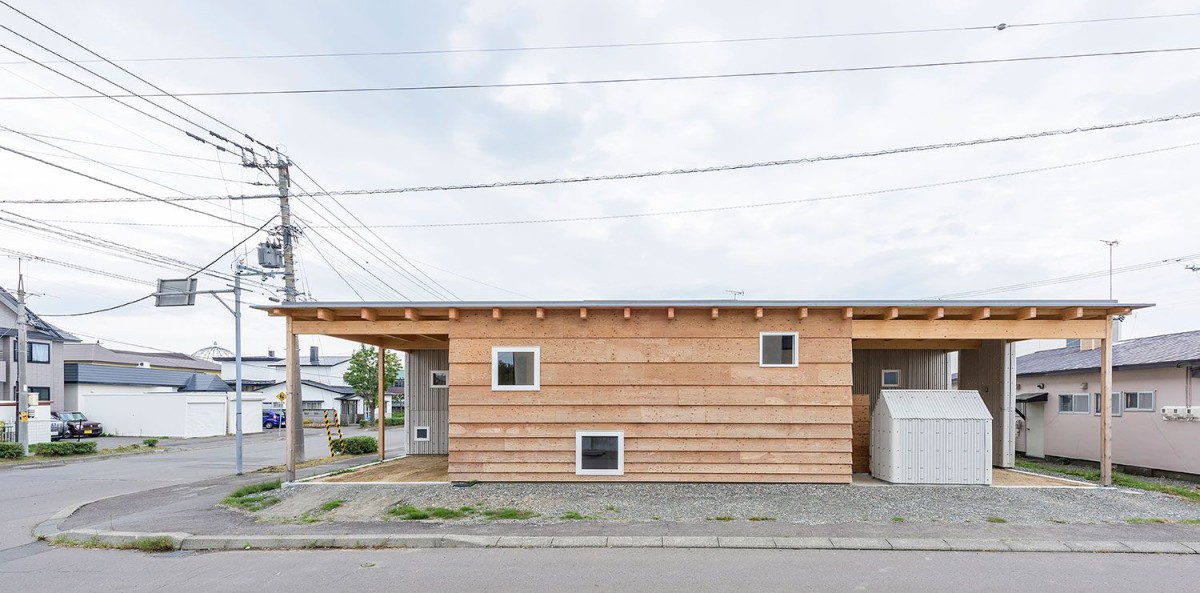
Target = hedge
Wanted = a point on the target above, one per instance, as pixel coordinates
(355, 445)
(11, 451)
(62, 448)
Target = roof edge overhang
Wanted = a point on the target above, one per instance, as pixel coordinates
(699, 303)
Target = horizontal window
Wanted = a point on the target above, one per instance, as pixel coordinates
(313, 405)
(600, 453)
(777, 349)
(1073, 403)
(43, 393)
(516, 368)
(1139, 401)
(1116, 404)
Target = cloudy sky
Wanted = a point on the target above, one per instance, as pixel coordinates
(929, 242)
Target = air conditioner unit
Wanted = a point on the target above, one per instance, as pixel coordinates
(1193, 413)
(1175, 412)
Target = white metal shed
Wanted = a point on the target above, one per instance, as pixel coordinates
(931, 437)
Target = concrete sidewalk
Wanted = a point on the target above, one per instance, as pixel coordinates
(191, 518)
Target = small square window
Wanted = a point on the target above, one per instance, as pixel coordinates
(778, 349)
(39, 352)
(421, 433)
(439, 379)
(599, 453)
(516, 368)
(1139, 401)
(891, 378)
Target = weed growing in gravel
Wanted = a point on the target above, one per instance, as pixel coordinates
(760, 518)
(445, 513)
(310, 519)
(251, 498)
(612, 508)
(342, 471)
(656, 518)
(508, 514)
(1191, 521)
(575, 516)
(408, 513)
(333, 504)
(1119, 479)
(1137, 520)
(145, 544)
(898, 519)
(721, 518)
(996, 520)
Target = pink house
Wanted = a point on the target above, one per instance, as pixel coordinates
(1058, 402)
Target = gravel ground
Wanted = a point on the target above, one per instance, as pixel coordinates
(808, 504)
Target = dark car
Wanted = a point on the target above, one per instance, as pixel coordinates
(78, 425)
(58, 428)
(274, 419)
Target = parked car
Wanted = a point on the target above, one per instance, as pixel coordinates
(58, 428)
(78, 425)
(274, 419)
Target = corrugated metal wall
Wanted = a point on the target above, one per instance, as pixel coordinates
(946, 441)
(426, 406)
(919, 369)
(991, 371)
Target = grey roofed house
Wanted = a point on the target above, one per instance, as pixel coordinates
(45, 366)
(1180, 349)
(99, 374)
(98, 353)
(38, 327)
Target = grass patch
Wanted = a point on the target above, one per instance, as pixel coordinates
(1137, 520)
(508, 513)
(253, 497)
(996, 520)
(575, 516)
(410, 513)
(333, 504)
(898, 519)
(407, 513)
(445, 513)
(612, 509)
(721, 518)
(274, 469)
(1119, 479)
(156, 543)
(760, 518)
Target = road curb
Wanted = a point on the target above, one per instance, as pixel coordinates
(187, 541)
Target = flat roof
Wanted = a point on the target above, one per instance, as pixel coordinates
(682, 303)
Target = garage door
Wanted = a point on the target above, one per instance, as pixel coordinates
(205, 419)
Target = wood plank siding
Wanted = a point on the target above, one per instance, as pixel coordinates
(688, 392)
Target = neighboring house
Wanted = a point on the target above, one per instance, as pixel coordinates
(259, 372)
(45, 355)
(168, 361)
(686, 391)
(1059, 397)
(319, 398)
(143, 401)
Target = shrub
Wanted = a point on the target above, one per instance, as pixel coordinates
(62, 448)
(11, 451)
(150, 442)
(355, 445)
(393, 421)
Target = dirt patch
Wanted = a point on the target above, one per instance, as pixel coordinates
(414, 468)
(1006, 477)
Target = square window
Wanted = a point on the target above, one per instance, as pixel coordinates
(39, 352)
(421, 433)
(890, 378)
(778, 349)
(439, 379)
(516, 368)
(599, 453)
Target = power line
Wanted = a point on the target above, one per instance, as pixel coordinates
(1072, 278)
(139, 167)
(643, 174)
(72, 266)
(191, 275)
(602, 81)
(119, 147)
(535, 48)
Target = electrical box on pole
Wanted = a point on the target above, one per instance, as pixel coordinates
(270, 255)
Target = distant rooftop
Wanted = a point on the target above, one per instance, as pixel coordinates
(1165, 350)
(98, 353)
(103, 374)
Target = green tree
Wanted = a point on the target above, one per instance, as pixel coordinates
(363, 375)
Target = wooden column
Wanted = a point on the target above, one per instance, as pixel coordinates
(293, 409)
(380, 391)
(1106, 404)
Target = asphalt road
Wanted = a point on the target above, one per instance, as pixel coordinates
(32, 495)
(597, 570)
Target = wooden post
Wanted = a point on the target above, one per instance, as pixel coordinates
(1106, 404)
(381, 389)
(293, 409)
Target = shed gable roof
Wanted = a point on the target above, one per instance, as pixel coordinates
(933, 404)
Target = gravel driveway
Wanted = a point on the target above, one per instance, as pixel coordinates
(810, 504)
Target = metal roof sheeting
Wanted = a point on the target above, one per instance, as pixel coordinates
(114, 375)
(701, 303)
(934, 404)
(1168, 349)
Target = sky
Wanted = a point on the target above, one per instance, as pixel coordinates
(918, 243)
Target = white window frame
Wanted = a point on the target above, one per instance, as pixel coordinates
(579, 434)
(795, 348)
(537, 368)
(1118, 406)
(1087, 399)
(1153, 401)
(417, 429)
(883, 378)
(433, 385)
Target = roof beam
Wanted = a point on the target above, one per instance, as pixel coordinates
(981, 313)
(583, 313)
(1071, 313)
(890, 313)
(628, 314)
(411, 315)
(540, 313)
(671, 313)
(452, 313)
(758, 312)
(871, 344)
(368, 314)
(964, 329)
(936, 313)
(1026, 313)
(848, 313)
(369, 328)
(802, 312)
(326, 315)
(496, 313)
(716, 312)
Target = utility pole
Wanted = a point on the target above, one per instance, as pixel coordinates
(1111, 245)
(294, 409)
(22, 363)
